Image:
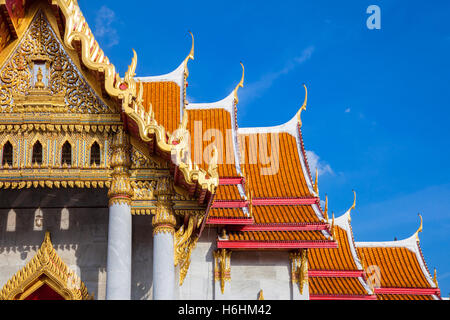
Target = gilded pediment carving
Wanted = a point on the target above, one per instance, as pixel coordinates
(41, 77)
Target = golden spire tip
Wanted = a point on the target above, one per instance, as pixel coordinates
(420, 227)
(240, 84)
(303, 107)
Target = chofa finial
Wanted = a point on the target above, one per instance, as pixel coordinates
(420, 227)
(189, 57)
(303, 107)
(239, 85)
(325, 211)
(316, 184)
(353, 206)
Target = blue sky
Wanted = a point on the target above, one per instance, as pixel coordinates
(378, 103)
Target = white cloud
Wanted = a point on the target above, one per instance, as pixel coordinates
(315, 162)
(255, 89)
(104, 29)
(347, 110)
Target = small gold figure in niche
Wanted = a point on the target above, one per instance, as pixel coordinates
(39, 84)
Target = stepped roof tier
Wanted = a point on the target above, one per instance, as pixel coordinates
(399, 270)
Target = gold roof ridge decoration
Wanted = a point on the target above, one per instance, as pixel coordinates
(45, 268)
(303, 107)
(239, 85)
(416, 234)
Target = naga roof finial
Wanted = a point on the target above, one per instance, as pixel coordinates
(435, 278)
(316, 185)
(325, 211)
(353, 206)
(189, 57)
(239, 85)
(420, 228)
(303, 107)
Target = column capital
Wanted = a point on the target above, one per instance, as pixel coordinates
(120, 190)
(164, 220)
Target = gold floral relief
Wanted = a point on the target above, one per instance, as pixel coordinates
(41, 54)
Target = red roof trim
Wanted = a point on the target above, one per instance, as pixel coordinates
(235, 221)
(336, 273)
(282, 227)
(341, 297)
(284, 201)
(226, 244)
(413, 291)
(230, 180)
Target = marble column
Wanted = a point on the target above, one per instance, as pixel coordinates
(118, 265)
(163, 222)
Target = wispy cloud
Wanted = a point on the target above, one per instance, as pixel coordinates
(348, 110)
(315, 162)
(104, 27)
(255, 89)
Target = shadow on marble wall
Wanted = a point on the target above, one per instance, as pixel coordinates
(142, 259)
(77, 220)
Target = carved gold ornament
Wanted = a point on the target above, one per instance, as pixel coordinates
(222, 267)
(164, 220)
(41, 77)
(299, 268)
(46, 267)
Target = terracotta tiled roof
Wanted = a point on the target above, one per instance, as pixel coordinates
(213, 121)
(231, 213)
(276, 236)
(284, 214)
(339, 258)
(335, 286)
(227, 192)
(399, 267)
(286, 179)
(403, 297)
(165, 100)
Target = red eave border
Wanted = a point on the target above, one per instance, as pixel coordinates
(282, 227)
(412, 291)
(230, 181)
(284, 201)
(231, 221)
(227, 244)
(341, 297)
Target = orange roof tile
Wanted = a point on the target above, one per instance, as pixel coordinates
(284, 214)
(403, 297)
(227, 213)
(335, 286)
(276, 236)
(227, 192)
(340, 258)
(286, 179)
(399, 267)
(210, 122)
(165, 100)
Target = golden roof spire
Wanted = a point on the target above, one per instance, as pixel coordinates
(303, 107)
(189, 57)
(420, 228)
(316, 185)
(239, 85)
(325, 212)
(353, 206)
(435, 278)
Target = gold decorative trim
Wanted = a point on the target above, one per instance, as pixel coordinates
(299, 268)
(45, 267)
(303, 107)
(163, 228)
(222, 267)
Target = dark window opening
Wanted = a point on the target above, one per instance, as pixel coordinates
(7, 154)
(95, 154)
(37, 153)
(66, 154)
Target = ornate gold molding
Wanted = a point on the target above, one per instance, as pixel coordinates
(299, 268)
(120, 191)
(184, 243)
(164, 220)
(46, 267)
(222, 267)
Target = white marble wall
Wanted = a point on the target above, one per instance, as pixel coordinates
(81, 242)
(251, 271)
